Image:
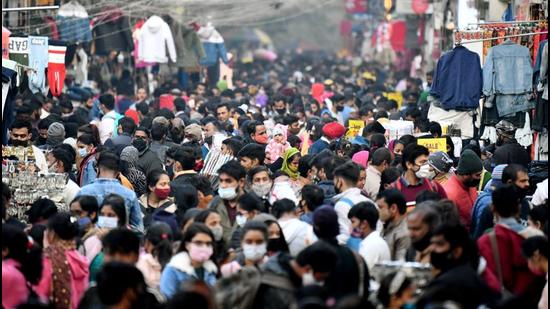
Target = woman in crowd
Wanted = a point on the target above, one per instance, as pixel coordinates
(254, 237)
(128, 160)
(535, 249)
(396, 290)
(212, 220)
(86, 158)
(65, 274)
(157, 200)
(158, 251)
(291, 162)
(192, 262)
(85, 208)
(112, 214)
(21, 267)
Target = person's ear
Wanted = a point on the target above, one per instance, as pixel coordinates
(30, 135)
(177, 166)
(457, 252)
(255, 162)
(242, 183)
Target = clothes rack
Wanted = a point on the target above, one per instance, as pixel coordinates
(31, 8)
(507, 22)
(459, 40)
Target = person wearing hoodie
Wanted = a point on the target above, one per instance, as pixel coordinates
(298, 234)
(348, 195)
(64, 285)
(192, 262)
(278, 145)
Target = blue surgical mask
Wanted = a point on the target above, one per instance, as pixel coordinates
(82, 152)
(107, 222)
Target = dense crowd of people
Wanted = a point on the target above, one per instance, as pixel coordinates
(256, 197)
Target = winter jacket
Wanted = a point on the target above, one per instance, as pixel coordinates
(463, 197)
(179, 270)
(151, 270)
(298, 234)
(154, 38)
(458, 80)
(517, 278)
(213, 45)
(102, 187)
(511, 153)
(481, 218)
(112, 32)
(396, 235)
(14, 285)
(148, 161)
(507, 70)
(189, 48)
(328, 189)
(319, 145)
(73, 23)
(228, 226)
(453, 285)
(279, 296)
(343, 202)
(79, 276)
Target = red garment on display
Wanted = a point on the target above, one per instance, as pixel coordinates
(398, 34)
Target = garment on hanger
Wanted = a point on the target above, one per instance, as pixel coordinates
(19, 50)
(462, 120)
(111, 31)
(155, 38)
(38, 60)
(457, 80)
(213, 44)
(81, 66)
(56, 66)
(73, 23)
(5, 43)
(9, 91)
(136, 33)
(189, 48)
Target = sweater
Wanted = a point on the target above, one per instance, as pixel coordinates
(463, 198)
(154, 38)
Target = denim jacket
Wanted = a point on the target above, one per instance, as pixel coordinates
(507, 70)
(102, 187)
(458, 79)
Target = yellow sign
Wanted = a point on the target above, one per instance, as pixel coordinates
(354, 127)
(434, 144)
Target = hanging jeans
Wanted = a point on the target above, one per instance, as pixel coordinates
(213, 75)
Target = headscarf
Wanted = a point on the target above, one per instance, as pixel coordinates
(361, 158)
(61, 279)
(286, 164)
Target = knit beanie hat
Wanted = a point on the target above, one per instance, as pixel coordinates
(496, 175)
(440, 161)
(469, 163)
(56, 133)
(129, 154)
(194, 130)
(325, 222)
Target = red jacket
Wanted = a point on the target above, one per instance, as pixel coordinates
(463, 197)
(515, 273)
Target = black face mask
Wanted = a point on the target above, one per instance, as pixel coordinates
(339, 108)
(422, 244)
(522, 193)
(140, 144)
(41, 140)
(276, 245)
(19, 143)
(281, 111)
(442, 261)
(472, 183)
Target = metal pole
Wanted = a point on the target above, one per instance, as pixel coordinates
(506, 22)
(31, 8)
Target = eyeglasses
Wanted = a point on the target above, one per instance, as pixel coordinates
(199, 243)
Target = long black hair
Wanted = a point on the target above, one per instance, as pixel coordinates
(159, 235)
(29, 256)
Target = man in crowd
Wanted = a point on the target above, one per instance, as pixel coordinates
(148, 160)
(421, 223)
(126, 128)
(331, 132)
(20, 136)
(381, 160)
(251, 155)
(462, 187)
(392, 207)
(108, 168)
(107, 124)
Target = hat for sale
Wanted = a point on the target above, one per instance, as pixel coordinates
(440, 161)
(194, 130)
(469, 163)
(506, 128)
(334, 130)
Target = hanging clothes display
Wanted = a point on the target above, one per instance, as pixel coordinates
(457, 80)
(56, 66)
(38, 60)
(136, 33)
(155, 37)
(507, 78)
(214, 47)
(111, 30)
(19, 50)
(81, 66)
(73, 23)
(189, 48)
(9, 91)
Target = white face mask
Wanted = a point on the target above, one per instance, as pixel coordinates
(262, 189)
(218, 232)
(309, 279)
(241, 220)
(82, 152)
(254, 252)
(107, 222)
(423, 172)
(227, 193)
(432, 175)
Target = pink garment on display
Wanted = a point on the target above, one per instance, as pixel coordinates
(5, 43)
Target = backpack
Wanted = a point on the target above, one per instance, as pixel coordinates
(239, 290)
(116, 118)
